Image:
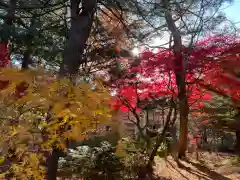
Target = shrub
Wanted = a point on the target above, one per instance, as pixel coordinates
(134, 163)
(102, 163)
(98, 163)
(133, 156)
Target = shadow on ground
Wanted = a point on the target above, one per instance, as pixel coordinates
(202, 172)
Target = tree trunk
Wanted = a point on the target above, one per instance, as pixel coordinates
(183, 129)
(29, 46)
(237, 145)
(160, 138)
(81, 24)
(180, 79)
(52, 164)
(6, 28)
(26, 59)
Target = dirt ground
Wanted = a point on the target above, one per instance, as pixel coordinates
(210, 166)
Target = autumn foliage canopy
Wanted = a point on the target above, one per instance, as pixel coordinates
(207, 70)
(40, 112)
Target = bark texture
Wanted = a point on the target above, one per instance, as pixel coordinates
(81, 23)
(180, 79)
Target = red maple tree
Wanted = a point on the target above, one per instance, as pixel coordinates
(4, 55)
(154, 77)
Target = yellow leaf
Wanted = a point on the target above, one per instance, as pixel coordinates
(2, 160)
(14, 132)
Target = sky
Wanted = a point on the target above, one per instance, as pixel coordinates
(232, 12)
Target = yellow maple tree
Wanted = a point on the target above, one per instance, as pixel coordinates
(39, 111)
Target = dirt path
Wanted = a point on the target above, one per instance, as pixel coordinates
(209, 167)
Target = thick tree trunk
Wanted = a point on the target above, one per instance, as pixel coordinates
(81, 24)
(52, 164)
(183, 127)
(180, 80)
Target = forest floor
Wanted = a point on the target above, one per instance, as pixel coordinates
(210, 166)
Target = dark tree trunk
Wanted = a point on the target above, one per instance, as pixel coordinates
(81, 24)
(29, 39)
(52, 164)
(237, 145)
(26, 59)
(6, 28)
